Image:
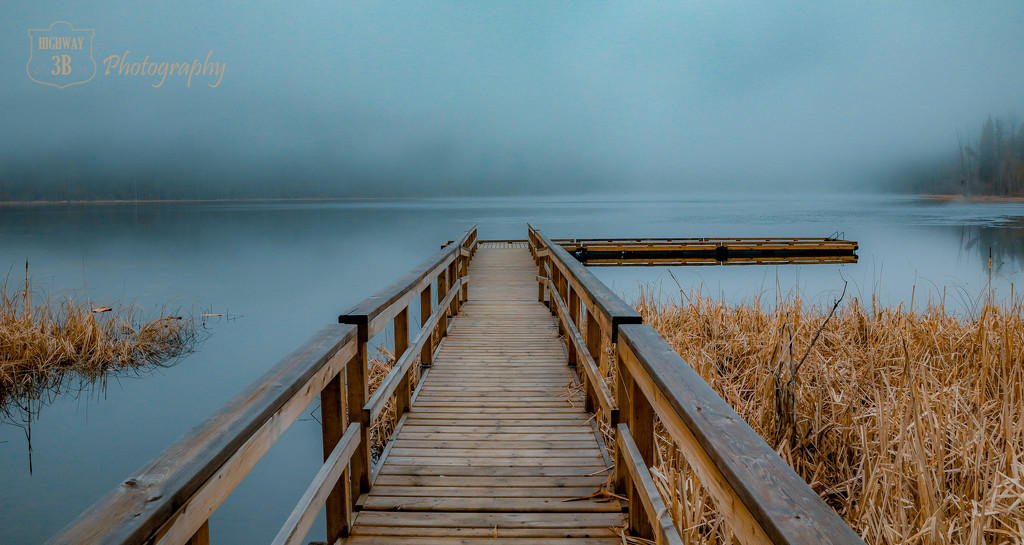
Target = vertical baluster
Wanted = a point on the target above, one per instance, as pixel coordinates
(595, 340)
(442, 291)
(453, 275)
(563, 288)
(202, 535)
(641, 425)
(356, 374)
(404, 392)
(426, 309)
(463, 273)
(540, 282)
(623, 393)
(574, 309)
(333, 418)
(555, 277)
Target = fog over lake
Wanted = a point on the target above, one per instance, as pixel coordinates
(405, 99)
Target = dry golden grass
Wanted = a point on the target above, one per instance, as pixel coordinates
(910, 424)
(383, 427)
(51, 345)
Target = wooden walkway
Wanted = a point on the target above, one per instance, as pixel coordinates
(492, 451)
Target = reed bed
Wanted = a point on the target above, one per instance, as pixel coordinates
(384, 426)
(909, 423)
(53, 345)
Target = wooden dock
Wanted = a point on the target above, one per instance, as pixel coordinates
(526, 401)
(493, 446)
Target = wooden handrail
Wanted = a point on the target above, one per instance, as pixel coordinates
(610, 306)
(402, 366)
(201, 468)
(593, 375)
(756, 490)
(301, 520)
(377, 310)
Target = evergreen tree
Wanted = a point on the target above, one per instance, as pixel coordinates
(988, 162)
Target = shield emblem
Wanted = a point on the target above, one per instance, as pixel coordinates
(61, 55)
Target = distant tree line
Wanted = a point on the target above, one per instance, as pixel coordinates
(992, 164)
(78, 180)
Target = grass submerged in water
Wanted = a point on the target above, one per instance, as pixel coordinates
(910, 424)
(50, 346)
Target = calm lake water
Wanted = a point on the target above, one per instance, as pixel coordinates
(289, 269)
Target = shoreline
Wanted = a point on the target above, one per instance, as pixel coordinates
(192, 201)
(972, 198)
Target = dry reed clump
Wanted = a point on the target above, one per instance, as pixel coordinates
(52, 345)
(384, 426)
(910, 424)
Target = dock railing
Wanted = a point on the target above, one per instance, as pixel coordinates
(170, 500)
(759, 496)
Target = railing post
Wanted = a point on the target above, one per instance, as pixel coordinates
(202, 535)
(333, 418)
(540, 285)
(556, 276)
(426, 309)
(594, 346)
(641, 425)
(453, 274)
(574, 310)
(442, 291)
(463, 273)
(404, 392)
(623, 388)
(356, 374)
(563, 288)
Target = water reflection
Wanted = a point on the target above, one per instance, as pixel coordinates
(1003, 243)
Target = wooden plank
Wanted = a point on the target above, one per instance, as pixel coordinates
(389, 540)
(589, 452)
(426, 534)
(593, 462)
(214, 456)
(492, 482)
(460, 443)
(486, 520)
(301, 519)
(486, 491)
(576, 434)
(377, 501)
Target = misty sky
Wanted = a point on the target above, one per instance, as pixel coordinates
(422, 98)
